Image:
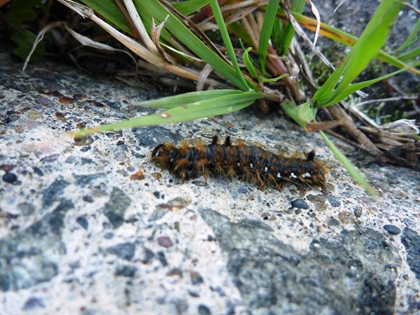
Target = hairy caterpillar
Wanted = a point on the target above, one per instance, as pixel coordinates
(250, 163)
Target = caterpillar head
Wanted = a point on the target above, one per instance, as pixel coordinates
(164, 155)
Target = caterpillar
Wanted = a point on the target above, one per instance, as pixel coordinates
(250, 163)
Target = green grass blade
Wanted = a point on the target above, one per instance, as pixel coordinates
(237, 29)
(248, 63)
(186, 98)
(278, 37)
(302, 114)
(362, 52)
(271, 80)
(289, 31)
(265, 34)
(228, 44)
(110, 11)
(202, 109)
(411, 38)
(189, 7)
(345, 39)
(357, 176)
(330, 99)
(410, 55)
(369, 43)
(183, 34)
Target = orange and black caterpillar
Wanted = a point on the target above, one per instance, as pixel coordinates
(248, 162)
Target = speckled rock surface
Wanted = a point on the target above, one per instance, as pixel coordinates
(92, 227)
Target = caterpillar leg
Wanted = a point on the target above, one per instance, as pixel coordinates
(201, 169)
(279, 186)
(227, 143)
(259, 179)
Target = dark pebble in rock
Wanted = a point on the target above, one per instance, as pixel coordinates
(84, 180)
(234, 195)
(9, 178)
(289, 211)
(242, 190)
(44, 101)
(196, 278)
(7, 167)
(70, 160)
(109, 235)
(158, 214)
(392, 229)
(299, 203)
(38, 171)
(83, 222)
(358, 212)
(333, 222)
(152, 136)
(334, 201)
(131, 168)
(316, 198)
(115, 208)
(156, 194)
(50, 158)
(26, 208)
(87, 199)
(165, 241)
(162, 258)
(125, 271)
(33, 303)
(193, 293)
(53, 192)
(181, 306)
(113, 105)
(200, 183)
(85, 149)
(175, 272)
(86, 161)
(11, 116)
(123, 251)
(203, 310)
(411, 241)
(147, 255)
(83, 141)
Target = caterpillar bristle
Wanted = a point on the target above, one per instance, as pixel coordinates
(240, 143)
(231, 171)
(227, 142)
(310, 156)
(250, 163)
(184, 145)
(202, 147)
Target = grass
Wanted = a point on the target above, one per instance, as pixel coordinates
(252, 58)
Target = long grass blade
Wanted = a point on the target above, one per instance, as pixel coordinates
(359, 57)
(357, 176)
(187, 98)
(330, 99)
(189, 7)
(412, 38)
(244, 86)
(201, 109)
(265, 34)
